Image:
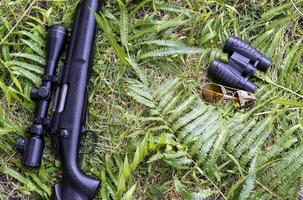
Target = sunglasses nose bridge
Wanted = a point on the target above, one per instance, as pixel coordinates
(228, 97)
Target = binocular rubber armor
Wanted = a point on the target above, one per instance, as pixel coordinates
(242, 64)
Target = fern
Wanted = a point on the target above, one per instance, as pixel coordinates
(249, 184)
(273, 46)
(123, 24)
(29, 56)
(167, 43)
(105, 26)
(277, 10)
(117, 174)
(203, 194)
(171, 51)
(290, 61)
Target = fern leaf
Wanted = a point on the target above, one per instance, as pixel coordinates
(138, 71)
(181, 108)
(30, 76)
(33, 68)
(29, 184)
(195, 113)
(258, 43)
(176, 9)
(105, 26)
(166, 43)
(123, 23)
(240, 134)
(33, 37)
(275, 42)
(246, 142)
(251, 177)
(159, 26)
(171, 51)
(168, 85)
(203, 194)
(34, 47)
(290, 62)
(128, 195)
(275, 11)
(31, 57)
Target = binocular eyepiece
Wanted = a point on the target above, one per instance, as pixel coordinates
(243, 61)
(33, 146)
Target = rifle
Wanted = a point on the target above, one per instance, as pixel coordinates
(69, 92)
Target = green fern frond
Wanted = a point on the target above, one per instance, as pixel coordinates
(250, 138)
(166, 43)
(33, 37)
(181, 108)
(34, 47)
(159, 26)
(171, 51)
(29, 185)
(176, 9)
(27, 74)
(289, 63)
(107, 29)
(277, 38)
(203, 194)
(138, 71)
(277, 10)
(250, 180)
(123, 23)
(31, 57)
(261, 39)
(139, 92)
(26, 66)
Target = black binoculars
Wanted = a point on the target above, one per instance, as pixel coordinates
(242, 63)
(33, 146)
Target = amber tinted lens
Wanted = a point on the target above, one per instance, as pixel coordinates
(212, 93)
(244, 100)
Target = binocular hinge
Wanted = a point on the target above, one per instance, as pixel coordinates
(241, 64)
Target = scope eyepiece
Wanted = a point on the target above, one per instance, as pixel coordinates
(32, 149)
(234, 44)
(229, 76)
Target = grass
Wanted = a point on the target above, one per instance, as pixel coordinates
(151, 135)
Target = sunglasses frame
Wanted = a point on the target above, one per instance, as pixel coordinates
(226, 96)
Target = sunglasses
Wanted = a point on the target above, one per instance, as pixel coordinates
(213, 93)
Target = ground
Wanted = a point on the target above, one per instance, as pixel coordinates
(151, 134)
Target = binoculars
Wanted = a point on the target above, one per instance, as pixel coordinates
(243, 61)
(33, 146)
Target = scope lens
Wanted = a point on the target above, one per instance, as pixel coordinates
(212, 93)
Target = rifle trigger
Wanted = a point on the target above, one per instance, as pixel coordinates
(84, 130)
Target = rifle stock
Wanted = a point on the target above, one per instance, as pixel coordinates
(67, 121)
(69, 115)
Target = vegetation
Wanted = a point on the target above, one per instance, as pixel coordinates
(152, 137)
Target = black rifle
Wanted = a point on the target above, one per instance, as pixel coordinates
(67, 121)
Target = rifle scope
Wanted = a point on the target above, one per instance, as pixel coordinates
(33, 146)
